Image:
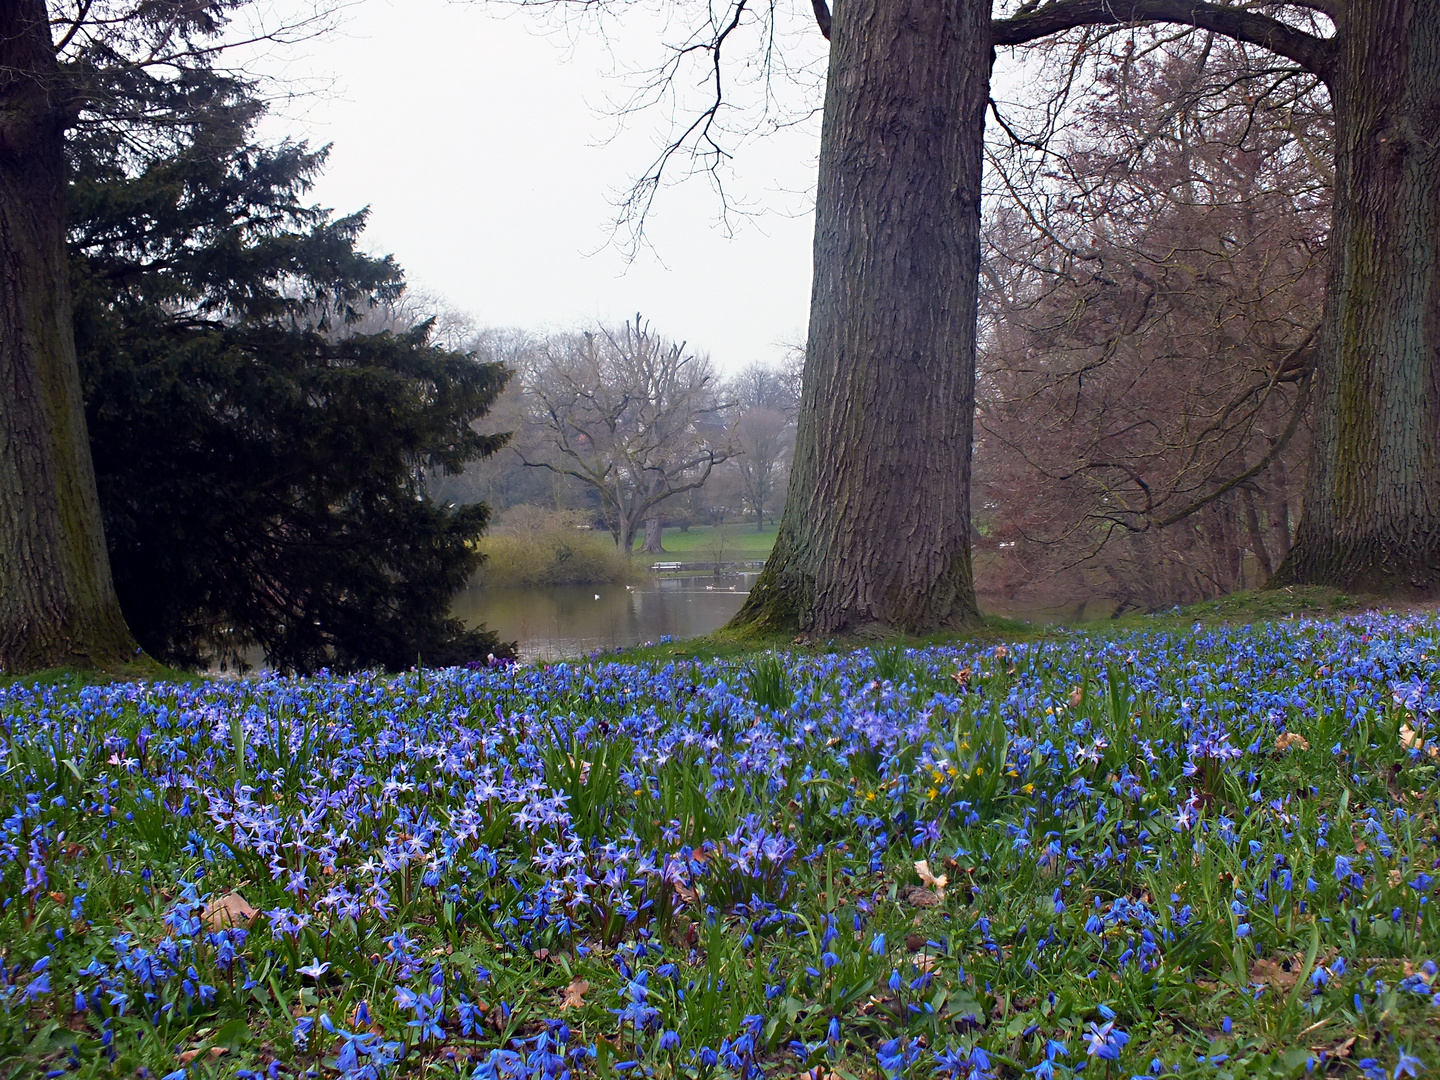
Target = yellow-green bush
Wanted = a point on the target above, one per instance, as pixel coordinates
(534, 547)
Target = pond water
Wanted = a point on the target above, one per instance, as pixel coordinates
(556, 622)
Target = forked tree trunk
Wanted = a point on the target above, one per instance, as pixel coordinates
(1256, 534)
(875, 535)
(57, 602)
(1371, 514)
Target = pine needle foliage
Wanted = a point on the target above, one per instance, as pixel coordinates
(262, 413)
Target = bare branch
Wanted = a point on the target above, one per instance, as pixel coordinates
(1297, 413)
(822, 16)
(1313, 53)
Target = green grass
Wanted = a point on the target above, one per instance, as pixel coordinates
(142, 669)
(1236, 609)
(706, 543)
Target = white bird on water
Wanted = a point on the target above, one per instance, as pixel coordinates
(597, 596)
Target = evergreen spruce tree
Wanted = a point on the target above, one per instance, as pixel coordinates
(260, 456)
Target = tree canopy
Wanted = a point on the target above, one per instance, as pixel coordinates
(261, 461)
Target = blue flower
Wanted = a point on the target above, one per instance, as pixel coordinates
(38, 986)
(1408, 1066)
(1105, 1042)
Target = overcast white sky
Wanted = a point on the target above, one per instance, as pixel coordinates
(480, 141)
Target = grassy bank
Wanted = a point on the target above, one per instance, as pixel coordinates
(715, 543)
(1158, 851)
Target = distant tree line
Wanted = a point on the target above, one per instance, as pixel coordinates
(636, 430)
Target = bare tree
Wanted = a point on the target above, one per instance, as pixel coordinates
(627, 412)
(1152, 284)
(874, 535)
(766, 401)
(763, 439)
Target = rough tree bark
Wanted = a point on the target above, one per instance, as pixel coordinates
(1371, 514)
(57, 602)
(653, 537)
(875, 535)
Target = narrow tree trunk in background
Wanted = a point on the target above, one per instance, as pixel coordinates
(1231, 552)
(1371, 515)
(653, 545)
(1277, 511)
(875, 534)
(1257, 537)
(57, 602)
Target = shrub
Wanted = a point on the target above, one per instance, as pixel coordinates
(530, 546)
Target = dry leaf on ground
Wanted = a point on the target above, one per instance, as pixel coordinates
(1273, 974)
(921, 898)
(215, 1052)
(573, 996)
(929, 880)
(229, 910)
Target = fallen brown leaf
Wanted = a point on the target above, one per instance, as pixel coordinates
(921, 898)
(1272, 973)
(229, 910)
(929, 880)
(1337, 1050)
(214, 1052)
(573, 996)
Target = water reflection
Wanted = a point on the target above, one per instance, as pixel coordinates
(571, 620)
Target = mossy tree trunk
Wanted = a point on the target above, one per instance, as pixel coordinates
(875, 535)
(1371, 514)
(57, 602)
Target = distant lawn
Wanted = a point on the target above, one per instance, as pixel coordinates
(717, 543)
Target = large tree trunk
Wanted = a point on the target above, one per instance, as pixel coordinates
(1371, 513)
(654, 544)
(875, 535)
(57, 602)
